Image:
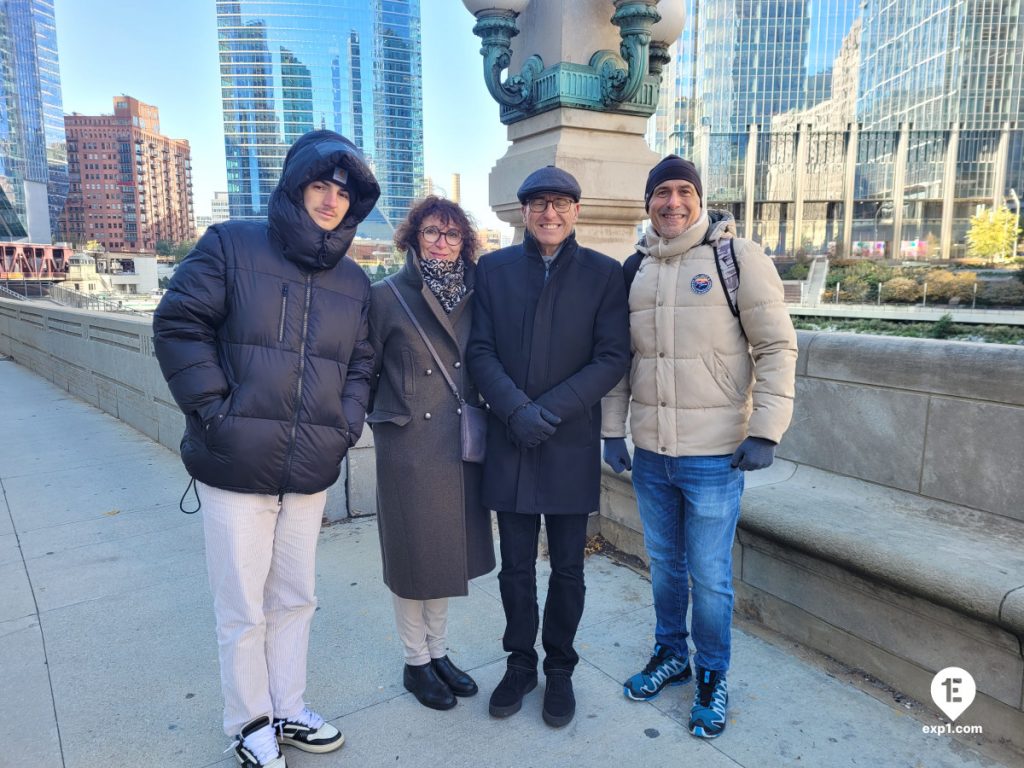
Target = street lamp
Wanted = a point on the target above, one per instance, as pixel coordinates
(496, 26)
(626, 81)
(583, 80)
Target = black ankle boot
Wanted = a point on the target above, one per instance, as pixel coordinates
(427, 687)
(460, 683)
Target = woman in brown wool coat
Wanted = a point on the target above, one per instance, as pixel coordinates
(434, 533)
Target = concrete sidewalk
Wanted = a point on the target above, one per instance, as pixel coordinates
(108, 657)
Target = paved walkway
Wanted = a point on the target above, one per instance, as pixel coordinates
(108, 658)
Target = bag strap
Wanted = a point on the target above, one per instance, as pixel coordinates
(728, 272)
(433, 352)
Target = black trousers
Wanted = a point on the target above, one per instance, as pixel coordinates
(567, 536)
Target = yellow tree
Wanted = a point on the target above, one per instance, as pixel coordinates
(993, 234)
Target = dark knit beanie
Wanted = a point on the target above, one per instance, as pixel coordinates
(671, 168)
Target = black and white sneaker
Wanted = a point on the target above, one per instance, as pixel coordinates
(256, 746)
(308, 731)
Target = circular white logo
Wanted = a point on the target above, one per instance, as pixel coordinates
(953, 691)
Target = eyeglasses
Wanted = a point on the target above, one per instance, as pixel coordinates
(432, 234)
(540, 204)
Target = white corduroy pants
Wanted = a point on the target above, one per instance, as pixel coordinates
(261, 557)
(423, 628)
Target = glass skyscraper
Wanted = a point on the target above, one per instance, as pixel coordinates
(860, 128)
(352, 66)
(33, 152)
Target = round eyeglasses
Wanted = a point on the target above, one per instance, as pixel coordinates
(540, 204)
(432, 234)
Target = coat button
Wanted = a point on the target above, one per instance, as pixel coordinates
(426, 416)
(458, 411)
(458, 364)
(428, 372)
(664, 404)
(661, 354)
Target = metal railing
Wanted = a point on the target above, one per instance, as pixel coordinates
(72, 298)
(7, 293)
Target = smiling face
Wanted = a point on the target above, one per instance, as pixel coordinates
(433, 239)
(675, 207)
(549, 226)
(326, 203)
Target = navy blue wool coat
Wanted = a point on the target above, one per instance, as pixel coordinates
(262, 337)
(563, 344)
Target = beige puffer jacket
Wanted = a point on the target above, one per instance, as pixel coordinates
(700, 382)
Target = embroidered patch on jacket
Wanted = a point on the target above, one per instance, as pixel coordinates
(700, 283)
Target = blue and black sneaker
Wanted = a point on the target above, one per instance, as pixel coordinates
(710, 699)
(664, 668)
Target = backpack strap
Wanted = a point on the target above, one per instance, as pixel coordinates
(630, 268)
(728, 273)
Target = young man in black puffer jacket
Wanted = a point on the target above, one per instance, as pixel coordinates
(262, 337)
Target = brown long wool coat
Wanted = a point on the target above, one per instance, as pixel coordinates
(435, 535)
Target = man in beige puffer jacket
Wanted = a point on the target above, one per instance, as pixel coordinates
(709, 396)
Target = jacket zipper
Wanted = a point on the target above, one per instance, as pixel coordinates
(284, 308)
(298, 386)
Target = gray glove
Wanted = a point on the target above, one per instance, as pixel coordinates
(616, 454)
(530, 425)
(754, 453)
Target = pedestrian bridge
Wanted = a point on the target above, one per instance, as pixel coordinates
(886, 542)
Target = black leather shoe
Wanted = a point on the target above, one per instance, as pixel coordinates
(507, 698)
(423, 683)
(458, 681)
(559, 701)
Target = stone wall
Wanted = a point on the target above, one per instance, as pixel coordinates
(942, 419)
(107, 360)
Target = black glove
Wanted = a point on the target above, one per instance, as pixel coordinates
(616, 455)
(754, 453)
(530, 425)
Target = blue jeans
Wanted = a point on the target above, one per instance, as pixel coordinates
(689, 506)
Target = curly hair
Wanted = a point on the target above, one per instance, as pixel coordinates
(448, 212)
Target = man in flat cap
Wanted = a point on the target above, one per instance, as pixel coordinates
(710, 395)
(550, 338)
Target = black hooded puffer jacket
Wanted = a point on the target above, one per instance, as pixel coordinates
(262, 337)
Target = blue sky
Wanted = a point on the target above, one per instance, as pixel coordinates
(165, 54)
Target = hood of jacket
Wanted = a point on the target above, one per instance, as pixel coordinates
(298, 237)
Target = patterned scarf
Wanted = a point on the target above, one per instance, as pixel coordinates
(445, 279)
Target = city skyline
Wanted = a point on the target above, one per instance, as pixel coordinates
(177, 71)
(825, 127)
(351, 66)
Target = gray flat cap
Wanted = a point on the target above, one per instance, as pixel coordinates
(551, 180)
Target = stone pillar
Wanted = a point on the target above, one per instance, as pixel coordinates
(803, 139)
(750, 183)
(899, 182)
(949, 191)
(606, 152)
(849, 187)
(608, 155)
(999, 167)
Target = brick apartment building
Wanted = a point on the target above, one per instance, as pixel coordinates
(130, 186)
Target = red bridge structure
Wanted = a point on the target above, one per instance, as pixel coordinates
(27, 268)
